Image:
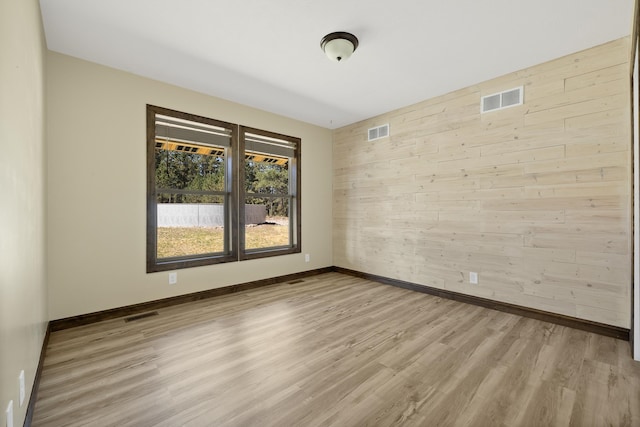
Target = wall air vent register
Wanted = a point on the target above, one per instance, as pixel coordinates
(502, 100)
(379, 132)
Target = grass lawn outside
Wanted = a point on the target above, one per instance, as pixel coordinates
(182, 241)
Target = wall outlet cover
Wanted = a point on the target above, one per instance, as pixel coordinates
(9, 413)
(173, 278)
(22, 390)
(473, 278)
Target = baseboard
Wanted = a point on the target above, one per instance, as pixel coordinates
(85, 319)
(36, 380)
(559, 319)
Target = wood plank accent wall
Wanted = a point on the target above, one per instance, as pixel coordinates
(535, 198)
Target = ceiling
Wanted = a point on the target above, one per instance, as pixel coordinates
(266, 53)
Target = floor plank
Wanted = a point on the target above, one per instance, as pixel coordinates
(335, 350)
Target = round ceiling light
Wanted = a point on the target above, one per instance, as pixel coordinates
(339, 45)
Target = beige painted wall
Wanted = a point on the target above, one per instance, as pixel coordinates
(97, 184)
(535, 198)
(23, 313)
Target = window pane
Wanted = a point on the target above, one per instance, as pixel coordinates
(266, 174)
(190, 224)
(275, 231)
(270, 182)
(181, 170)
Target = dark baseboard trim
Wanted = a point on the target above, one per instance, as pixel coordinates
(36, 380)
(114, 313)
(559, 319)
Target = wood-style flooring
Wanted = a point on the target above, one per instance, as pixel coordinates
(335, 350)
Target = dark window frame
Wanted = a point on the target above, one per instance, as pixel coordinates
(236, 197)
(163, 264)
(295, 225)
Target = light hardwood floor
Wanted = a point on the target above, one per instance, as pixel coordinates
(335, 350)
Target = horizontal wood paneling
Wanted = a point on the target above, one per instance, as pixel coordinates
(535, 198)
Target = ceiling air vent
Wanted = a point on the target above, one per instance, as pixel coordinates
(379, 132)
(502, 100)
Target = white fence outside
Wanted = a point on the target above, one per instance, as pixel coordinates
(204, 215)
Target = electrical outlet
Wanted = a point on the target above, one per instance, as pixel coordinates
(173, 278)
(9, 413)
(22, 391)
(307, 257)
(473, 278)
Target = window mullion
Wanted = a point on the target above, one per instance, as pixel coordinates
(194, 165)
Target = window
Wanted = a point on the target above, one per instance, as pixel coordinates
(218, 192)
(190, 197)
(270, 183)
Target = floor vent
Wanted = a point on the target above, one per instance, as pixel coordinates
(379, 132)
(140, 316)
(295, 282)
(502, 100)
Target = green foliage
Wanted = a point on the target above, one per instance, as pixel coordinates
(272, 179)
(190, 171)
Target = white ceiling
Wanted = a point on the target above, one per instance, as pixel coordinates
(266, 53)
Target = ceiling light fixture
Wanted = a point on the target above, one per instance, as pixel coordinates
(339, 45)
